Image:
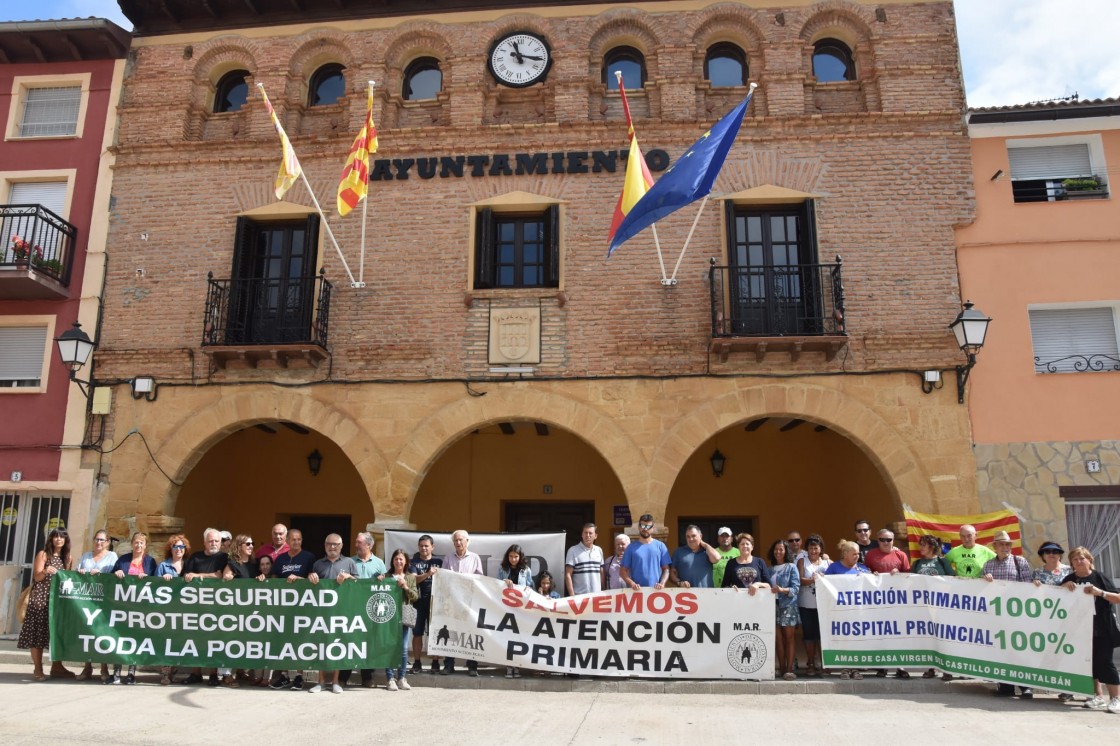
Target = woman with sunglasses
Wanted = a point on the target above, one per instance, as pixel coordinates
(241, 565)
(931, 563)
(36, 632)
(99, 560)
(175, 555)
(1106, 633)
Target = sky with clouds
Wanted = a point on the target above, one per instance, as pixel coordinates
(1012, 51)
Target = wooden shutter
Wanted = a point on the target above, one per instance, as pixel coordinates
(484, 248)
(809, 235)
(244, 234)
(1066, 339)
(552, 219)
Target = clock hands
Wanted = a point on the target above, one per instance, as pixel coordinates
(517, 53)
(529, 57)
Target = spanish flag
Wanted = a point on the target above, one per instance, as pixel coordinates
(289, 164)
(354, 184)
(947, 528)
(638, 178)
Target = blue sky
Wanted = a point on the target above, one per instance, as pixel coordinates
(1012, 51)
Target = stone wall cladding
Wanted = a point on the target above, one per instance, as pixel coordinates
(1028, 476)
(893, 182)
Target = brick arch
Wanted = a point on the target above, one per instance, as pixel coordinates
(848, 22)
(732, 23)
(218, 56)
(884, 446)
(317, 49)
(624, 27)
(414, 40)
(197, 433)
(437, 432)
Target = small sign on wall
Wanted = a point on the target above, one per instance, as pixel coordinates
(515, 336)
(622, 515)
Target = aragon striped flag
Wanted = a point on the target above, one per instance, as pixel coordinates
(289, 164)
(947, 529)
(354, 184)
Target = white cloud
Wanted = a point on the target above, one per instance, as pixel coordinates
(1018, 51)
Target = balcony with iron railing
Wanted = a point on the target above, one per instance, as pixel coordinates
(792, 308)
(267, 322)
(1060, 190)
(38, 253)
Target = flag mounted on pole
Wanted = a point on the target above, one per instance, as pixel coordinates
(354, 183)
(638, 178)
(290, 169)
(688, 180)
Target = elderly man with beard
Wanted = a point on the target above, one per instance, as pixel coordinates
(646, 562)
(210, 562)
(339, 569)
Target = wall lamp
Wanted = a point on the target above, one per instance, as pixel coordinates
(144, 387)
(75, 347)
(315, 462)
(718, 462)
(970, 328)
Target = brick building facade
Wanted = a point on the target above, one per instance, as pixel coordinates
(804, 372)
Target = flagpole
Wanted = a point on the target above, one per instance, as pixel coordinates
(365, 211)
(687, 240)
(330, 233)
(632, 133)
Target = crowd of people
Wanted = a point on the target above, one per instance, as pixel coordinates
(789, 571)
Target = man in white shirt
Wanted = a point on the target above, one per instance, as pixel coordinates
(467, 562)
(583, 564)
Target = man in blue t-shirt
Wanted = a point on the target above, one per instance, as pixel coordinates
(646, 561)
(692, 563)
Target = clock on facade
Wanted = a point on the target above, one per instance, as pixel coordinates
(520, 59)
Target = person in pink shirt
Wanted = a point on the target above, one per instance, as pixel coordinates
(279, 543)
(887, 559)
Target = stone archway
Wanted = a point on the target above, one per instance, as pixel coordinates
(194, 435)
(436, 433)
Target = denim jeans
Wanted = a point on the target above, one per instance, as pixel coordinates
(406, 638)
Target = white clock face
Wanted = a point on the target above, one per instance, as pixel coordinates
(520, 60)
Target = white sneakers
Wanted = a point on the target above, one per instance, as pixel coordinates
(1096, 703)
(1114, 706)
(392, 685)
(404, 685)
(336, 688)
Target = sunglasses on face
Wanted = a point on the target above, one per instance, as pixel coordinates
(863, 530)
(645, 525)
(180, 547)
(885, 541)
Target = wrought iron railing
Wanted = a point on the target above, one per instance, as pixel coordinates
(777, 301)
(267, 311)
(1057, 190)
(1077, 364)
(34, 237)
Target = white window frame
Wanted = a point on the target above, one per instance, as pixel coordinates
(48, 322)
(1095, 143)
(24, 83)
(1114, 305)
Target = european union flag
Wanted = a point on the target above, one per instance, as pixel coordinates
(689, 179)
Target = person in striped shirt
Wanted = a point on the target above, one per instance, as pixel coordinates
(583, 564)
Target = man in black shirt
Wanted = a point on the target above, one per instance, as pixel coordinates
(295, 564)
(863, 540)
(422, 565)
(208, 563)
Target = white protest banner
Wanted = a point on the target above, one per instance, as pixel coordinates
(1001, 631)
(545, 551)
(696, 633)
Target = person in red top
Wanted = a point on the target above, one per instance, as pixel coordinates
(279, 543)
(887, 559)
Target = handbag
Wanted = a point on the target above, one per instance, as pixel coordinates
(408, 615)
(21, 606)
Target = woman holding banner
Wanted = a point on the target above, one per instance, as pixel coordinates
(1106, 634)
(174, 556)
(100, 559)
(746, 570)
(931, 563)
(811, 565)
(36, 632)
(398, 570)
(785, 582)
(515, 570)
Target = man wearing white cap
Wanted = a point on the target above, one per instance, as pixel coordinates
(1007, 566)
(726, 552)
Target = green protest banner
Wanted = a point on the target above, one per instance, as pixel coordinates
(236, 624)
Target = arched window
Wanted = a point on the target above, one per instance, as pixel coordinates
(422, 79)
(629, 62)
(326, 86)
(725, 66)
(232, 92)
(832, 61)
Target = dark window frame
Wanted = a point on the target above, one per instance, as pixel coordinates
(487, 265)
(322, 77)
(416, 67)
(836, 50)
(726, 50)
(227, 84)
(624, 54)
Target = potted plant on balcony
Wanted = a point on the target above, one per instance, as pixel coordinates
(1087, 186)
(24, 253)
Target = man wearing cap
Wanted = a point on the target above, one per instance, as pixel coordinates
(726, 552)
(227, 538)
(692, 563)
(967, 560)
(1007, 566)
(646, 561)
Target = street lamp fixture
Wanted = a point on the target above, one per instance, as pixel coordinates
(75, 347)
(970, 328)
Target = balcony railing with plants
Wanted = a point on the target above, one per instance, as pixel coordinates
(793, 300)
(1059, 190)
(37, 239)
(260, 311)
